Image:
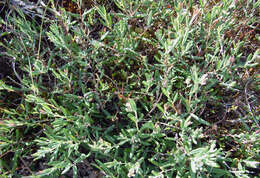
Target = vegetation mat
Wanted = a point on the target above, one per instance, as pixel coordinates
(129, 88)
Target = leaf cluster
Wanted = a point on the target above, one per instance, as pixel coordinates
(131, 89)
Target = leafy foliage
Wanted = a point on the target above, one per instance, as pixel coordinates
(131, 89)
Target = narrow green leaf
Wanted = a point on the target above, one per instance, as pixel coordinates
(133, 105)
(3, 86)
(199, 119)
(253, 164)
(132, 117)
(150, 18)
(67, 168)
(75, 171)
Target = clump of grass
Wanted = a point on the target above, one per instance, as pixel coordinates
(131, 89)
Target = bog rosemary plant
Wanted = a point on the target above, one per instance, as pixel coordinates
(128, 88)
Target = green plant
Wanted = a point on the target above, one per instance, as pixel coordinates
(132, 89)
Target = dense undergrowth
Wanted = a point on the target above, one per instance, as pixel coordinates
(123, 88)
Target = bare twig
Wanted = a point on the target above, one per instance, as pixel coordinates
(16, 74)
(26, 166)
